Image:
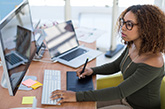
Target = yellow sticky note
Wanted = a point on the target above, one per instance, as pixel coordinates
(27, 100)
(36, 85)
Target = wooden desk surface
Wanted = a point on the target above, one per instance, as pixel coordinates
(37, 69)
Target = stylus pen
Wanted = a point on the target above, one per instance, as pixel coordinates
(84, 66)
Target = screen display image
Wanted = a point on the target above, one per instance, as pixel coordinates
(16, 46)
(23, 40)
(60, 38)
(18, 58)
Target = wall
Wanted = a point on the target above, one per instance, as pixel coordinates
(57, 12)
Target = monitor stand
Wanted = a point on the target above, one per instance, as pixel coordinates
(21, 87)
(3, 81)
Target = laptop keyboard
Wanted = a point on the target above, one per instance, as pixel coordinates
(51, 82)
(13, 59)
(73, 54)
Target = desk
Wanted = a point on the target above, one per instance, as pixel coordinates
(37, 69)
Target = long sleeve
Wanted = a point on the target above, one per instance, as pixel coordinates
(144, 83)
(110, 68)
(141, 77)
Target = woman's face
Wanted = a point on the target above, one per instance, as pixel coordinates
(129, 35)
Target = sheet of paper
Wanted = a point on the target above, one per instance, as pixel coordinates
(28, 82)
(27, 99)
(88, 35)
(36, 85)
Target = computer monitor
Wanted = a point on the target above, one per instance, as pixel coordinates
(16, 38)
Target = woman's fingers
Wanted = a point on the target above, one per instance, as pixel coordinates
(78, 72)
(57, 91)
(63, 96)
(60, 101)
(57, 94)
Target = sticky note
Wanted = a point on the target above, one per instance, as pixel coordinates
(36, 85)
(28, 82)
(27, 99)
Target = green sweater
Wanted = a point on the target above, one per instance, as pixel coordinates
(141, 85)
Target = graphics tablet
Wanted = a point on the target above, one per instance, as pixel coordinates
(76, 84)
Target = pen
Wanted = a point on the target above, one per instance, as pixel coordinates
(84, 66)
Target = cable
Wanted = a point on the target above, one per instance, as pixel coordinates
(46, 61)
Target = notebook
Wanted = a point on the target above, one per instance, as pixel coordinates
(19, 55)
(76, 84)
(64, 47)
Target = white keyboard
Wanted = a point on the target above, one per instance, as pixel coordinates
(51, 82)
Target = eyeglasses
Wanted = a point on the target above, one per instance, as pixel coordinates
(129, 25)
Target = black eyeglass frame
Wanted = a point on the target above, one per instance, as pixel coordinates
(122, 22)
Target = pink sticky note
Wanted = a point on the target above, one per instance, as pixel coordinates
(28, 82)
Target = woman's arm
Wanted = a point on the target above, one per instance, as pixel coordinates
(139, 79)
(110, 68)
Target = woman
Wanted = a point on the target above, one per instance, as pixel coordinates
(142, 29)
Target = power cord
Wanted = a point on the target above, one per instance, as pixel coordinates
(46, 61)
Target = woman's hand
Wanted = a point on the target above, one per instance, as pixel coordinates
(66, 96)
(87, 72)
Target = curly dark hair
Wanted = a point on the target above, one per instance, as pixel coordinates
(151, 27)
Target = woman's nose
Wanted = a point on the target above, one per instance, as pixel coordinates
(123, 27)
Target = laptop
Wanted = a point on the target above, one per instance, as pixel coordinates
(75, 84)
(22, 50)
(64, 47)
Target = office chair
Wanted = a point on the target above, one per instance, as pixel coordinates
(114, 80)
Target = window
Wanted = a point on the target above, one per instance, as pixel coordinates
(126, 3)
(91, 3)
(47, 2)
(109, 3)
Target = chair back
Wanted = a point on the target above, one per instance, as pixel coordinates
(162, 93)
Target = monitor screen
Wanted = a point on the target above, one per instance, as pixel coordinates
(17, 47)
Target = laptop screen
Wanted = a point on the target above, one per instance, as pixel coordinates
(23, 41)
(60, 38)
